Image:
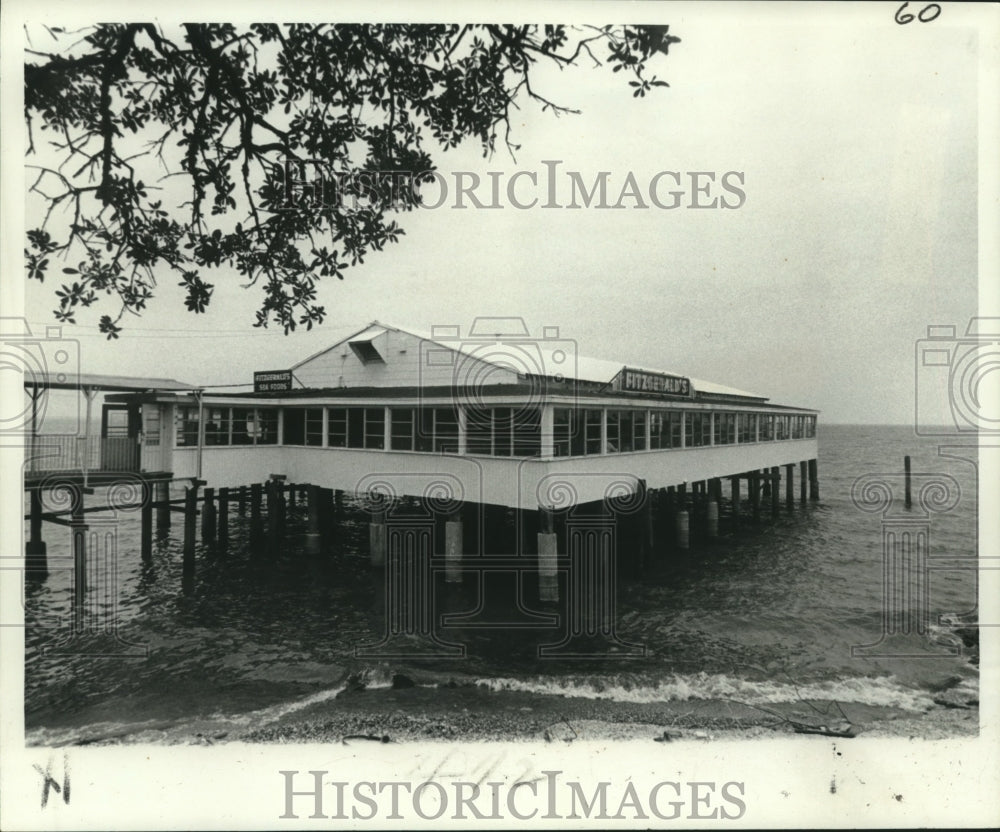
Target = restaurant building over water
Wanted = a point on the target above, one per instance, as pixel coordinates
(491, 416)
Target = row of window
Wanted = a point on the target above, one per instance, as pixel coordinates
(489, 431)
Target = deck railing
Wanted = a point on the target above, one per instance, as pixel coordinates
(57, 452)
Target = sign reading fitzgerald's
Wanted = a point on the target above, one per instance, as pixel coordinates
(268, 381)
(642, 381)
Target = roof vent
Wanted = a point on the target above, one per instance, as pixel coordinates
(365, 350)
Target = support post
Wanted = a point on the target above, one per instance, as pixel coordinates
(162, 508)
(146, 522)
(735, 481)
(314, 539)
(190, 523)
(813, 480)
(256, 523)
(775, 490)
(548, 575)
(208, 517)
(223, 515)
(79, 532)
(241, 506)
(906, 472)
(683, 529)
(292, 488)
(328, 517)
(790, 485)
(755, 495)
(453, 549)
(377, 539)
(803, 479)
(712, 518)
(35, 551)
(273, 517)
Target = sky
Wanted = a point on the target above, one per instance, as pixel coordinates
(856, 143)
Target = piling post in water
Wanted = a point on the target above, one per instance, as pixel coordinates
(256, 523)
(146, 522)
(241, 506)
(647, 527)
(755, 495)
(79, 531)
(683, 529)
(813, 480)
(190, 523)
(377, 541)
(328, 518)
(162, 508)
(208, 517)
(548, 576)
(775, 490)
(223, 515)
(790, 485)
(735, 481)
(35, 551)
(803, 480)
(712, 519)
(906, 472)
(453, 549)
(273, 517)
(314, 538)
(292, 488)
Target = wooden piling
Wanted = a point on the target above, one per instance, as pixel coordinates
(328, 518)
(646, 527)
(35, 551)
(256, 522)
(775, 490)
(273, 517)
(377, 540)
(755, 495)
(162, 508)
(453, 549)
(712, 519)
(790, 485)
(314, 538)
(146, 522)
(190, 524)
(292, 488)
(736, 499)
(208, 517)
(223, 515)
(813, 480)
(241, 506)
(79, 532)
(683, 529)
(803, 480)
(906, 472)
(548, 576)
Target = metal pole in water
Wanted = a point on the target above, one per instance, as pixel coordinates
(906, 469)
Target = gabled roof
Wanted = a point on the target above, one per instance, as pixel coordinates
(533, 357)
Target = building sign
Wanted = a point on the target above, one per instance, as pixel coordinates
(641, 381)
(269, 381)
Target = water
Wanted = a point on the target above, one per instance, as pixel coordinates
(767, 615)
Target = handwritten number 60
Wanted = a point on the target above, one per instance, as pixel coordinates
(925, 15)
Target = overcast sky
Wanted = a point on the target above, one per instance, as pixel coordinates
(857, 141)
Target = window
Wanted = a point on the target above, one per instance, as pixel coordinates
(639, 430)
(697, 429)
(781, 427)
(243, 424)
(613, 432)
(303, 426)
(478, 431)
(747, 427)
(337, 427)
(265, 426)
(186, 423)
(445, 430)
(766, 428)
(626, 431)
(810, 427)
(216, 425)
(528, 432)
(725, 428)
(496, 431)
(374, 430)
(401, 428)
(151, 424)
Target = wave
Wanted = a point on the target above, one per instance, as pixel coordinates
(884, 691)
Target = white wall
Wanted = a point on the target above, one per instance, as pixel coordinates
(409, 362)
(514, 482)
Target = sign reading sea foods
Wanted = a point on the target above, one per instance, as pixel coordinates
(642, 381)
(270, 381)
